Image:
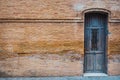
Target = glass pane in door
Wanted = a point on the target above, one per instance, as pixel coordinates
(94, 40)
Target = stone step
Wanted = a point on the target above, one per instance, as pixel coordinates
(95, 74)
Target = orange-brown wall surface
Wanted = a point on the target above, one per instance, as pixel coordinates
(52, 30)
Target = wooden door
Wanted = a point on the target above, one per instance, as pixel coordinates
(95, 43)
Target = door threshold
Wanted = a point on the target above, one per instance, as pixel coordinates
(95, 74)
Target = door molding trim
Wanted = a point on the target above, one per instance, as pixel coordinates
(100, 10)
(96, 10)
(106, 39)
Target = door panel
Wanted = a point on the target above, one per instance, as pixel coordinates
(95, 42)
(99, 62)
(90, 62)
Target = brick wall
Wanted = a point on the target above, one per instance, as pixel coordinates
(29, 27)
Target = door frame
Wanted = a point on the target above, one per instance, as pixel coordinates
(106, 45)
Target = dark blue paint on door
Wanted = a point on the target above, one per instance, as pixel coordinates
(95, 43)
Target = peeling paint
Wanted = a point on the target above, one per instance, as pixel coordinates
(115, 8)
(78, 7)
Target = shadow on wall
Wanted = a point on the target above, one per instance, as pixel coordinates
(3, 74)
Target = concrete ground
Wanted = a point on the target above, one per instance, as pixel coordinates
(64, 78)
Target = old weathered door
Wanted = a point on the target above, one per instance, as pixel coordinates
(95, 43)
